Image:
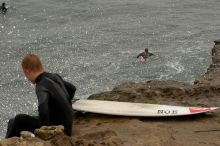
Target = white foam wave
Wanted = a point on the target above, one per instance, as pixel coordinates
(176, 66)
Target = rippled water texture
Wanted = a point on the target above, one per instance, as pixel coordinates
(94, 44)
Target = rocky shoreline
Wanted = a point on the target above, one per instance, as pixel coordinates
(96, 130)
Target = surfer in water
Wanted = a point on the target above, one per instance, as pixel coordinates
(3, 8)
(54, 100)
(144, 55)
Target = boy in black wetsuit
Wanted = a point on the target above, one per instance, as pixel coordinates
(3, 8)
(54, 100)
(144, 55)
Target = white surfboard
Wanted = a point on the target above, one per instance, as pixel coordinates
(136, 109)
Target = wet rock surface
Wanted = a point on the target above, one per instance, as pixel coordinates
(98, 130)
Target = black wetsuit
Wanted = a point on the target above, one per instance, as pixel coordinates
(3, 9)
(54, 106)
(145, 55)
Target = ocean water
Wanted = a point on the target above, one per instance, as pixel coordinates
(94, 44)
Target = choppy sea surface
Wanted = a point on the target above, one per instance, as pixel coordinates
(94, 44)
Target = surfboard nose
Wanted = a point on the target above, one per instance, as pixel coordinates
(201, 109)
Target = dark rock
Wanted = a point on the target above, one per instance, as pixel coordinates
(217, 41)
(61, 140)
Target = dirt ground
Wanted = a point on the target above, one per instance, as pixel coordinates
(203, 130)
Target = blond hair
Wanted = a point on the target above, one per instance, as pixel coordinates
(32, 62)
